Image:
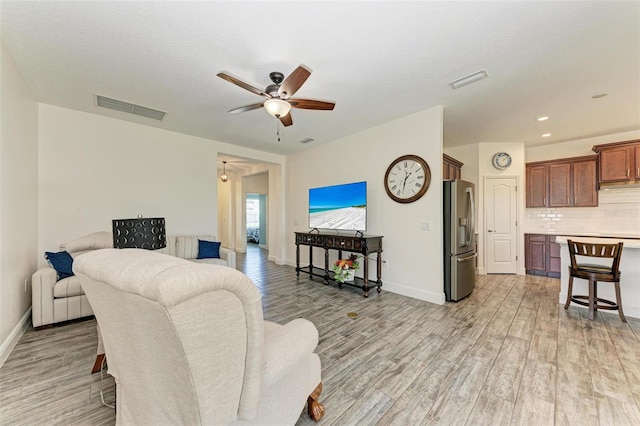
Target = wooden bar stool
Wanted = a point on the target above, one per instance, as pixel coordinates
(594, 273)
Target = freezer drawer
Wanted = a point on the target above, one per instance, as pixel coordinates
(462, 276)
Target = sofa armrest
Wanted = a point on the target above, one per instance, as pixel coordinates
(229, 256)
(285, 346)
(42, 282)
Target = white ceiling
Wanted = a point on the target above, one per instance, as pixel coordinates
(377, 60)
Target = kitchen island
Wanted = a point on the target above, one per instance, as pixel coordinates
(629, 268)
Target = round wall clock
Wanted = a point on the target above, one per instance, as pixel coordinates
(501, 160)
(407, 179)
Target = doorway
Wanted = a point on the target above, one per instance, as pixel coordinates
(501, 224)
(256, 220)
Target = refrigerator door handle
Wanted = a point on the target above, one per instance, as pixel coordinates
(470, 213)
(464, 259)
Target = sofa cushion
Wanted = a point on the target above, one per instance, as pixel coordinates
(62, 262)
(208, 249)
(94, 241)
(187, 245)
(210, 261)
(68, 287)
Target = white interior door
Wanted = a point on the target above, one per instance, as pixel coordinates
(501, 215)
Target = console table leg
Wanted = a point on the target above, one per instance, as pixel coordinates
(297, 260)
(365, 277)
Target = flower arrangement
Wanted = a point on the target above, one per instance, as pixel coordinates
(344, 269)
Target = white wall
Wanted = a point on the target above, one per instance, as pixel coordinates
(225, 212)
(414, 257)
(94, 169)
(18, 200)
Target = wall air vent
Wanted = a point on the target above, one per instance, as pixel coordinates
(123, 106)
(307, 140)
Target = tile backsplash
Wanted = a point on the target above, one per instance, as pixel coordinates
(617, 214)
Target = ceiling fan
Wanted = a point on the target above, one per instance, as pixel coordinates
(279, 101)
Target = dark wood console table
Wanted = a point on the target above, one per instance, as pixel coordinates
(363, 245)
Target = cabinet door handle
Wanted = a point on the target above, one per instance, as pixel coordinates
(627, 172)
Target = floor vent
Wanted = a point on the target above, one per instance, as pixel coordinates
(134, 109)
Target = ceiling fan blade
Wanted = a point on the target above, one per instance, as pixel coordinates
(286, 120)
(311, 104)
(246, 108)
(242, 84)
(295, 80)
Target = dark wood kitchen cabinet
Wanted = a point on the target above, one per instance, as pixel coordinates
(542, 255)
(568, 182)
(537, 176)
(451, 168)
(619, 162)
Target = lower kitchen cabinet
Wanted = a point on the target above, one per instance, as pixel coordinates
(542, 255)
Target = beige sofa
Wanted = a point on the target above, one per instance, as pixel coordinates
(55, 301)
(187, 343)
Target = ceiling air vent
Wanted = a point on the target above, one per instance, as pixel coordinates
(307, 140)
(123, 106)
(468, 79)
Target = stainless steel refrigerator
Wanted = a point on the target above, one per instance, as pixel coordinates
(459, 239)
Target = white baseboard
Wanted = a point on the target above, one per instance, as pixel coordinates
(427, 296)
(13, 338)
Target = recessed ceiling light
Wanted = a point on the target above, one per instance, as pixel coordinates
(599, 95)
(544, 118)
(546, 135)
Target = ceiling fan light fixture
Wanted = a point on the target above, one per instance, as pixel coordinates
(277, 107)
(223, 176)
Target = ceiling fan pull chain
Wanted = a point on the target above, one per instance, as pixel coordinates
(278, 128)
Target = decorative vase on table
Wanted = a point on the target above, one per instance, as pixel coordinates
(349, 275)
(345, 269)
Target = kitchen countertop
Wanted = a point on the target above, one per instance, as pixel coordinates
(588, 235)
(629, 243)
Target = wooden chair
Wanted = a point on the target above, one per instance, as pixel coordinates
(594, 273)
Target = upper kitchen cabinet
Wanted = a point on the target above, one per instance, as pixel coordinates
(451, 168)
(619, 162)
(568, 182)
(537, 184)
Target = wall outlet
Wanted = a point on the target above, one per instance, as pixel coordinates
(425, 226)
(385, 263)
(295, 221)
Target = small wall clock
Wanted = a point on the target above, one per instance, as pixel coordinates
(407, 179)
(501, 160)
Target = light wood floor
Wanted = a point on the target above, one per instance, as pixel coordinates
(508, 355)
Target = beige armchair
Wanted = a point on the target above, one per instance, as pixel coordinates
(56, 300)
(187, 343)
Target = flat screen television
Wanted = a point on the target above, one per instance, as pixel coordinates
(340, 207)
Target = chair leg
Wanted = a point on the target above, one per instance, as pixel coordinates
(97, 366)
(314, 408)
(592, 299)
(569, 292)
(619, 301)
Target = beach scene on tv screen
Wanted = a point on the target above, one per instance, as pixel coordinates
(339, 207)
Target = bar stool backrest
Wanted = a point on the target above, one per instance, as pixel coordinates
(609, 251)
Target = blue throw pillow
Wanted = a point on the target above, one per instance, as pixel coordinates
(62, 262)
(208, 249)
